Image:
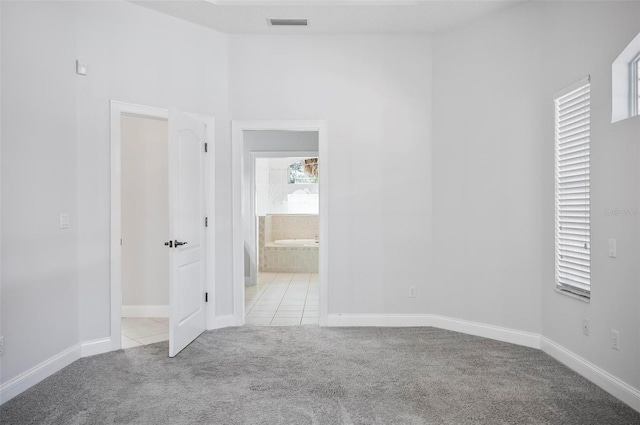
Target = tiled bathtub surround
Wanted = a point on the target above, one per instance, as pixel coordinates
(290, 226)
(275, 227)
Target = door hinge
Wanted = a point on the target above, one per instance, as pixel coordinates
(206, 147)
(206, 222)
(206, 297)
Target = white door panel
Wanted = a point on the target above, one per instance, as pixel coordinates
(186, 206)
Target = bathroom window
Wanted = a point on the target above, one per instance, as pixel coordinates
(304, 171)
(572, 189)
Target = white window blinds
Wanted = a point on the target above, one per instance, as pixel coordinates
(573, 227)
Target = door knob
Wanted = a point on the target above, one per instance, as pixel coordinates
(169, 244)
(178, 243)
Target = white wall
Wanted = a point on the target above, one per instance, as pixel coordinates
(39, 260)
(486, 171)
(375, 93)
(574, 48)
(170, 63)
(56, 157)
(145, 211)
(493, 177)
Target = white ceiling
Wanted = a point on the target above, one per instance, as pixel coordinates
(329, 16)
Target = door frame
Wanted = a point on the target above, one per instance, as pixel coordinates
(237, 176)
(117, 109)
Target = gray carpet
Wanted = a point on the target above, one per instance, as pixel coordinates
(311, 375)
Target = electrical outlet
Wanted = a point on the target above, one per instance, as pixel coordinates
(615, 340)
(1, 345)
(613, 250)
(412, 291)
(585, 327)
(64, 220)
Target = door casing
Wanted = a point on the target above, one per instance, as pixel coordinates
(117, 110)
(237, 140)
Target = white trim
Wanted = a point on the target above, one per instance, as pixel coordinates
(621, 82)
(634, 86)
(614, 386)
(224, 321)
(611, 384)
(498, 333)
(237, 163)
(31, 377)
(117, 110)
(145, 311)
(97, 346)
(38, 373)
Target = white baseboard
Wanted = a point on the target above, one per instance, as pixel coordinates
(381, 320)
(527, 339)
(97, 346)
(512, 336)
(600, 377)
(145, 311)
(593, 373)
(224, 321)
(614, 386)
(31, 377)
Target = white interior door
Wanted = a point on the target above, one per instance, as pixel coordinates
(186, 226)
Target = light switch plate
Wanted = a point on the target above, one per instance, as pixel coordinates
(81, 68)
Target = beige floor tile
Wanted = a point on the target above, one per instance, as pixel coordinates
(265, 307)
(259, 313)
(257, 321)
(131, 322)
(282, 314)
(309, 321)
(281, 299)
(287, 307)
(285, 321)
(153, 339)
(129, 343)
(145, 330)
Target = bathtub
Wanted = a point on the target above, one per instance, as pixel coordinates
(294, 243)
(291, 256)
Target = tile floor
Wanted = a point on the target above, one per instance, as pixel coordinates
(282, 299)
(137, 331)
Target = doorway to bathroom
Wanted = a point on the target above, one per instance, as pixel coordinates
(280, 222)
(282, 289)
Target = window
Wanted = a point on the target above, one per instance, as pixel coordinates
(625, 82)
(572, 205)
(304, 172)
(635, 86)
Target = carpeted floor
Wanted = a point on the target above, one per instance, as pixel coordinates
(311, 375)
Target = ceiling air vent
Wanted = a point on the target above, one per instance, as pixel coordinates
(279, 22)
